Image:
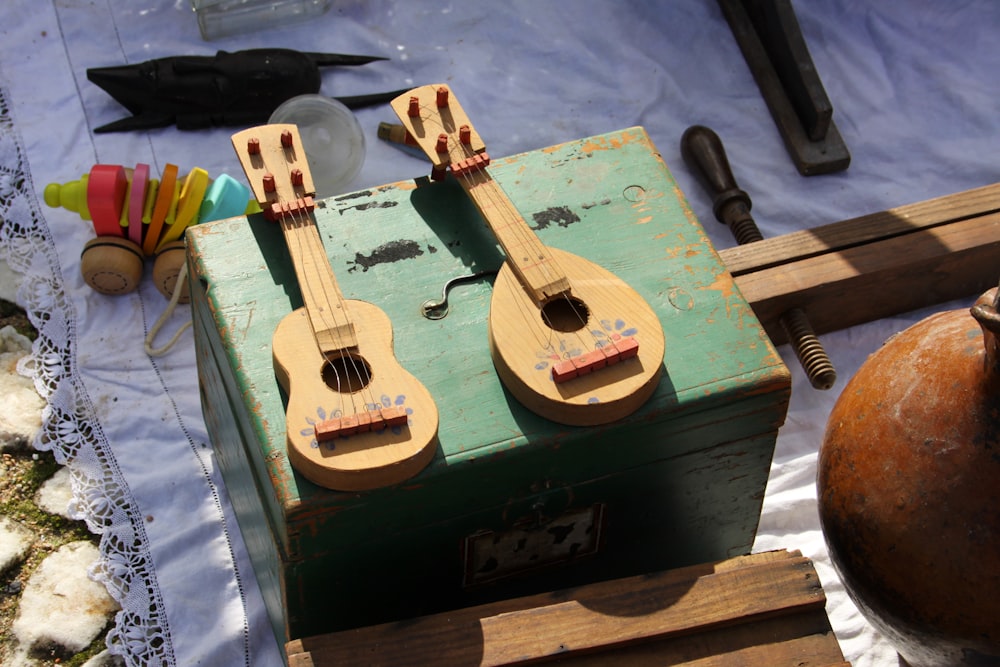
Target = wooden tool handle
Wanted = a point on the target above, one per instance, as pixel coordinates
(703, 152)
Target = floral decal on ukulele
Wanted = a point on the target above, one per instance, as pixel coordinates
(571, 360)
(608, 332)
(325, 416)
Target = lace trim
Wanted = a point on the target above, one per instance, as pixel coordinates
(69, 431)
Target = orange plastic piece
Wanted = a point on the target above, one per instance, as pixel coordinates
(592, 361)
(188, 204)
(164, 197)
(106, 187)
(372, 420)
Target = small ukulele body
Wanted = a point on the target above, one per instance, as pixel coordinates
(363, 383)
(570, 340)
(528, 344)
(355, 419)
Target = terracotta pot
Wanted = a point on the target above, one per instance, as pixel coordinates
(909, 488)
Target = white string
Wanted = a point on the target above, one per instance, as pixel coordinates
(171, 306)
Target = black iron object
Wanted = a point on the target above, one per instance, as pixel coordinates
(238, 88)
(770, 38)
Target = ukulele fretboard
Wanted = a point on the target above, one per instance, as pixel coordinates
(530, 259)
(278, 173)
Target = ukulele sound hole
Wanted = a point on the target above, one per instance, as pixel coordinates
(565, 314)
(346, 373)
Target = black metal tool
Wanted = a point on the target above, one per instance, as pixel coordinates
(770, 38)
(436, 309)
(703, 152)
(237, 88)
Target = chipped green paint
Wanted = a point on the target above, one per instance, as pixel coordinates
(681, 480)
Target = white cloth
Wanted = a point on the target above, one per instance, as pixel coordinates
(914, 88)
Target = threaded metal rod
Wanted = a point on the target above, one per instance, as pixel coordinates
(742, 225)
(808, 349)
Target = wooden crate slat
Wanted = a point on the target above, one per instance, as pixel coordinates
(644, 617)
(870, 228)
(799, 640)
(875, 280)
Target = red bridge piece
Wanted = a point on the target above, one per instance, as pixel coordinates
(471, 164)
(592, 361)
(371, 420)
(289, 209)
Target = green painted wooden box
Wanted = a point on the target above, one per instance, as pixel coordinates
(512, 504)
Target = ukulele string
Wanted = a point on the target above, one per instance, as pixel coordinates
(543, 335)
(551, 269)
(349, 368)
(549, 266)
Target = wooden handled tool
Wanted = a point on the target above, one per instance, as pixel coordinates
(703, 152)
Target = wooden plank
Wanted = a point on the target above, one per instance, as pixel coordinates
(802, 640)
(880, 279)
(818, 155)
(870, 228)
(619, 615)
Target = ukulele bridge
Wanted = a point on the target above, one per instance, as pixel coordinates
(371, 420)
(595, 360)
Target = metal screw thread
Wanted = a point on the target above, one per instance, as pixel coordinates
(745, 230)
(808, 349)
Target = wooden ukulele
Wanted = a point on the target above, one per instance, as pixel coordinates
(570, 340)
(355, 419)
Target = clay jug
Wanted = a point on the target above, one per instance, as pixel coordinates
(908, 484)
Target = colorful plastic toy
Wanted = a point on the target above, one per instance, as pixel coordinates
(136, 217)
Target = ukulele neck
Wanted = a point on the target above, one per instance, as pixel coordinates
(436, 122)
(531, 261)
(278, 174)
(321, 296)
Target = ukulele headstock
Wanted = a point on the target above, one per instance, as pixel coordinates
(435, 120)
(275, 165)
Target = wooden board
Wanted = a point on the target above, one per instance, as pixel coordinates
(764, 609)
(874, 266)
(815, 147)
